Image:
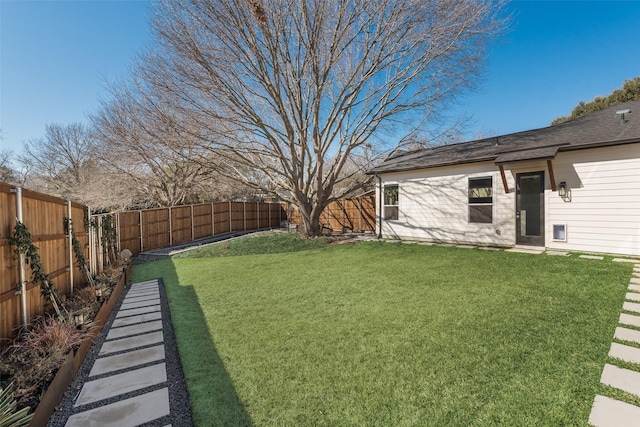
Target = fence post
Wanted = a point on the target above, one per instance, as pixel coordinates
(244, 214)
(193, 225)
(141, 235)
(269, 207)
(213, 222)
(258, 215)
(70, 237)
(117, 215)
(170, 228)
(21, 264)
(230, 223)
(100, 249)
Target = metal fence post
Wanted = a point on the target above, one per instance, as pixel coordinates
(193, 225)
(141, 235)
(170, 228)
(21, 264)
(70, 237)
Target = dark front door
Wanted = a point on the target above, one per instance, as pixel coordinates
(530, 208)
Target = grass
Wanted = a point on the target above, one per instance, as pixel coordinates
(391, 334)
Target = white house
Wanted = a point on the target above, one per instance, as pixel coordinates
(573, 186)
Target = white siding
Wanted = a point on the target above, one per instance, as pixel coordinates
(602, 216)
(433, 205)
(603, 213)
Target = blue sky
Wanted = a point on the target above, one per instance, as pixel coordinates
(56, 57)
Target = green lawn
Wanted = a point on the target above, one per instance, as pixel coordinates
(392, 334)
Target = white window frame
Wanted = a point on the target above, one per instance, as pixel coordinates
(471, 204)
(396, 205)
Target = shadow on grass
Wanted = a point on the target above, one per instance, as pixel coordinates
(212, 394)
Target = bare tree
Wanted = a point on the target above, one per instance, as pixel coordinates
(138, 138)
(7, 172)
(286, 93)
(64, 163)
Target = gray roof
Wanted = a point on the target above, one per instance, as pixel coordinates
(602, 128)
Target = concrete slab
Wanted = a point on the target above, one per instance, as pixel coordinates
(136, 311)
(138, 294)
(465, 246)
(489, 248)
(137, 329)
(635, 281)
(620, 378)
(138, 299)
(126, 305)
(625, 260)
(426, 243)
(629, 319)
(129, 359)
(114, 385)
(607, 412)
(625, 334)
(132, 320)
(125, 413)
(392, 241)
(444, 245)
(146, 282)
(631, 306)
(633, 296)
(635, 288)
(131, 343)
(525, 251)
(557, 253)
(409, 242)
(591, 257)
(625, 352)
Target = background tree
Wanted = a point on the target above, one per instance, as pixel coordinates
(7, 173)
(63, 163)
(138, 138)
(285, 94)
(630, 91)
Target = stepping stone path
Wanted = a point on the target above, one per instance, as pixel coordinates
(128, 382)
(607, 412)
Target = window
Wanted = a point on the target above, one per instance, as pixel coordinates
(391, 202)
(481, 200)
(559, 232)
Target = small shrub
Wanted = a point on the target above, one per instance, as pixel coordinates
(9, 415)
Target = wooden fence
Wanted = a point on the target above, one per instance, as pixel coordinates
(137, 231)
(150, 229)
(349, 215)
(44, 217)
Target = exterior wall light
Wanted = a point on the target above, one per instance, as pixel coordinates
(98, 290)
(562, 190)
(78, 319)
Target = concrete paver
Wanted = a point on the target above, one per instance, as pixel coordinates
(124, 321)
(126, 360)
(557, 253)
(125, 413)
(626, 334)
(591, 257)
(137, 329)
(620, 378)
(607, 412)
(625, 260)
(138, 299)
(135, 311)
(625, 352)
(118, 384)
(525, 251)
(629, 319)
(137, 304)
(635, 288)
(131, 343)
(150, 292)
(633, 296)
(635, 281)
(631, 306)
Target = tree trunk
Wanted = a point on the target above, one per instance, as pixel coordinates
(310, 214)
